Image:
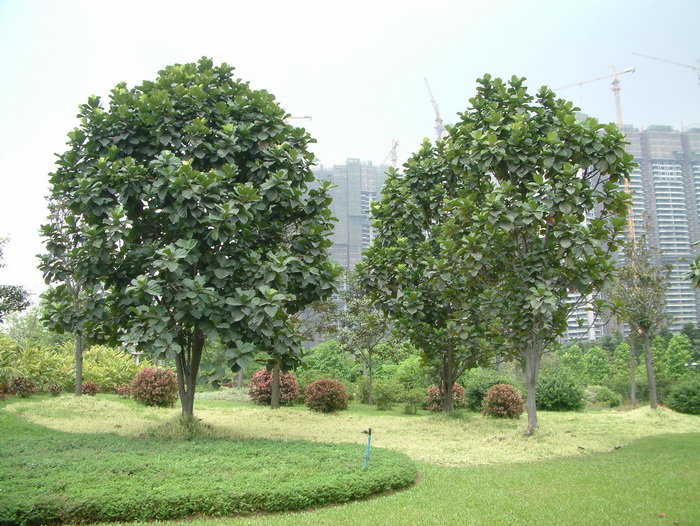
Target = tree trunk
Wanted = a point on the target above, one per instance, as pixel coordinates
(653, 399)
(447, 381)
(370, 395)
(187, 366)
(633, 374)
(239, 381)
(78, 364)
(499, 364)
(275, 395)
(531, 369)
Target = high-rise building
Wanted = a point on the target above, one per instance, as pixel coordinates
(356, 185)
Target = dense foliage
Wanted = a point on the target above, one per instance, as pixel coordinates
(476, 384)
(260, 388)
(503, 401)
(685, 397)
(558, 390)
(23, 387)
(90, 388)
(326, 396)
(155, 386)
(190, 198)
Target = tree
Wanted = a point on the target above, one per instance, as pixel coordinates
(540, 213)
(596, 365)
(639, 299)
(414, 274)
(13, 298)
(191, 200)
(670, 361)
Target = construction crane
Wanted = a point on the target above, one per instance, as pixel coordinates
(392, 154)
(438, 119)
(696, 69)
(618, 106)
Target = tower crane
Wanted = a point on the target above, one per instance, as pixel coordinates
(392, 154)
(438, 118)
(696, 69)
(618, 107)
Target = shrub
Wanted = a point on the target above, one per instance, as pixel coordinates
(308, 376)
(599, 394)
(387, 393)
(684, 397)
(109, 367)
(477, 382)
(433, 400)
(503, 401)
(124, 391)
(55, 390)
(326, 396)
(413, 400)
(557, 390)
(411, 374)
(155, 387)
(90, 388)
(260, 388)
(23, 387)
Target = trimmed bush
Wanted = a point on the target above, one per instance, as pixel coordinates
(476, 383)
(326, 396)
(55, 390)
(685, 397)
(503, 401)
(90, 388)
(260, 388)
(387, 393)
(155, 387)
(124, 391)
(413, 401)
(557, 390)
(23, 387)
(599, 394)
(433, 400)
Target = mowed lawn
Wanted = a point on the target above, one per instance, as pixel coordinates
(593, 467)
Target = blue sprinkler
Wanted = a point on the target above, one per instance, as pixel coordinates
(368, 432)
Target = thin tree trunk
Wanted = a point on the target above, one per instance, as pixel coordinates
(499, 364)
(187, 366)
(78, 364)
(370, 395)
(275, 395)
(633, 374)
(531, 369)
(653, 399)
(448, 399)
(239, 381)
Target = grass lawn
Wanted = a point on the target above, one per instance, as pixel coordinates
(473, 470)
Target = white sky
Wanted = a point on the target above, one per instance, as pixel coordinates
(356, 67)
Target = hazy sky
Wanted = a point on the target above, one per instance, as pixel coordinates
(356, 67)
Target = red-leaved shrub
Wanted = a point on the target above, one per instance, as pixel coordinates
(124, 391)
(326, 396)
(433, 400)
(155, 386)
(503, 401)
(55, 389)
(23, 387)
(260, 388)
(90, 388)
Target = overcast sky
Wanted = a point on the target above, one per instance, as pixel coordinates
(356, 67)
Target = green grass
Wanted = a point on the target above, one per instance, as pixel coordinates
(473, 470)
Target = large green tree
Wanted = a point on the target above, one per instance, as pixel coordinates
(539, 215)
(639, 297)
(191, 199)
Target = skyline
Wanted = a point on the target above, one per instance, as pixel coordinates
(357, 69)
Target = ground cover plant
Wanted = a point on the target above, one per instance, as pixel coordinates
(49, 476)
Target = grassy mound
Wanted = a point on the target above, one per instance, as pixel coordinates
(48, 476)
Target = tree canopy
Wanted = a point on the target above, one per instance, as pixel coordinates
(190, 197)
(13, 298)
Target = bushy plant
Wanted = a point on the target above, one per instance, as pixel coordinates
(413, 400)
(23, 387)
(599, 394)
(476, 383)
(503, 401)
(558, 390)
(124, 391)
(308, 376)
(411, 374)
(334, 363)
(684, 397)
(433, 400)
(90, 388)
(260, 388)
(55, 389)
(387, 393)
(109, 367)
(326, 396)
(154, 386)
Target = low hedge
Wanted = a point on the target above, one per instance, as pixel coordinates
(53, 477)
